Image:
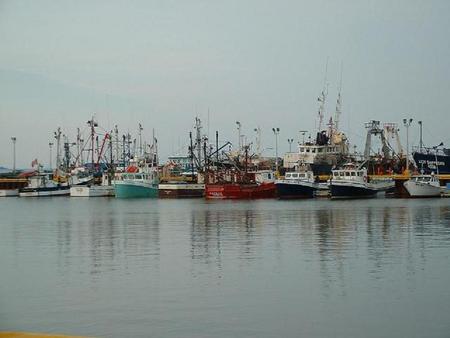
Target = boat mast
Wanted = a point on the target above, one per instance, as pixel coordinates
(111, 165)
(58, 148)
(198, 140)
(124, 149)
(140, 139)
(322, 99)
(338, 104)
(191, 154)
(116, 133)
(92, 124)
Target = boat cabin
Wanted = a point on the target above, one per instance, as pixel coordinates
(302, 176)
(350, 173)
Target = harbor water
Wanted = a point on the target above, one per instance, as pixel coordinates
(105, 267)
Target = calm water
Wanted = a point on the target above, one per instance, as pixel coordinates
(190, 268)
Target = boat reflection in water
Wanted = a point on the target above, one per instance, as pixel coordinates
(229, 263)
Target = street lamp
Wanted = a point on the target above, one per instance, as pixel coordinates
(276, 131)
(50, 145)
(239, 134)
(407, 123)
(290, 140)
(14, 139)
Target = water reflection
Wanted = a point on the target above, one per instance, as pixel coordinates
(255, 267)
(105, 238)
(332, 235)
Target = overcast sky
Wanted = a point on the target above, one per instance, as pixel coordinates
(261, 62)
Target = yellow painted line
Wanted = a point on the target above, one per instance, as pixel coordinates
(33, 335)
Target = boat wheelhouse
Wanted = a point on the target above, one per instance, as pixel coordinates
(352, 182)
(298, 184)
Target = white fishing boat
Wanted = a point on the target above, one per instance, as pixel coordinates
(351, 182)
(42, 184)
(423, 186)
(106, 189)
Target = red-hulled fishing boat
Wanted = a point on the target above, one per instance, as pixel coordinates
(233, 185)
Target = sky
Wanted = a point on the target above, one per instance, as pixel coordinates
(161, 63)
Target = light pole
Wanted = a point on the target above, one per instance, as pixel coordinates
(239, 134)
(14, 139)
(276, 131)
(50, 144)
(407, 123)
(290, 140)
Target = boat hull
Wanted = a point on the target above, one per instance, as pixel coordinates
(130, 190)
(92, 191)
(417, 189)
(351, 191)
(45, 192)
(240, 191)
(295, 190)
(181, 190)
(427, 163)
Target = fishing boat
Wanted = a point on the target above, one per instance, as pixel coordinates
(180, 179)
(431, 159)
(105, 189)
(140, 179)
(328, 149)
(251, 185)
(299, 184)
(352, 182)
(423, 186)
(137, 184)
(42, 184)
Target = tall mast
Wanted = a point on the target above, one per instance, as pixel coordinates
(116, 133)
(191, 153)
(92, 124)
(198, 140)
(58, 148)
(140, 139)
(322, 99)
(124, 149)
(78, 147)
(338, 104)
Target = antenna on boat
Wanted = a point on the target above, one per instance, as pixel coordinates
(338, 103)
(191, 153)
(116, 133)
(322, 98)
(58, 148)
(140, 139)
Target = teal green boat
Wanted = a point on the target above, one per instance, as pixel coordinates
(137, 185)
